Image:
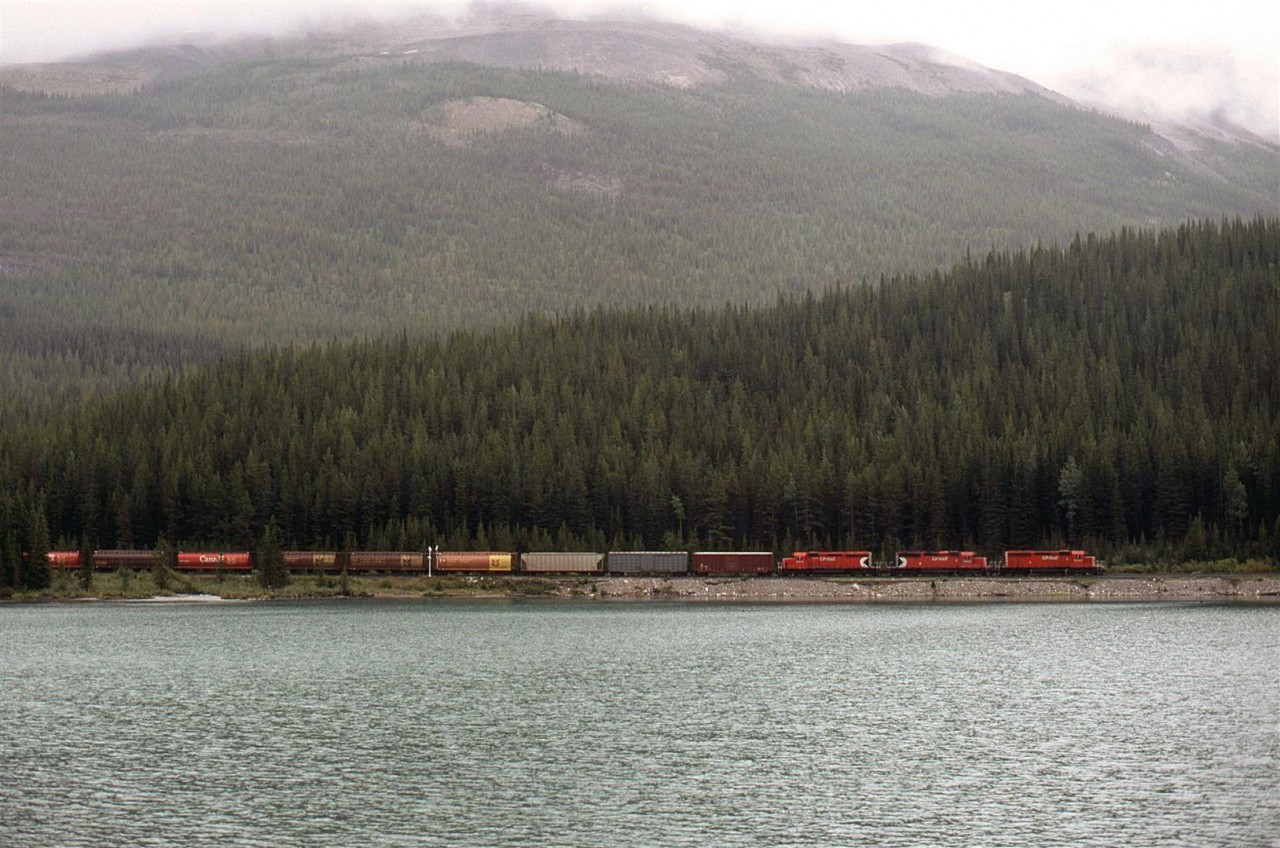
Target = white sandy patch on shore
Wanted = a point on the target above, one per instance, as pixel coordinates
(184, 599)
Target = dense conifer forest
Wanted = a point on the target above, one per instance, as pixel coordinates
(1121, 393)
(296, 199)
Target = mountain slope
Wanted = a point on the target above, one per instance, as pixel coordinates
(294, 191)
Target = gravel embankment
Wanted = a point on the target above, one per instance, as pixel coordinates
(1118, 588)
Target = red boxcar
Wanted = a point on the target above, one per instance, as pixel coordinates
(1049, 561)
(448, 561)
(940, 561)
(63, 559)
(387, 561)
(214, 561)
(325, 562)
(724, 562)
(827, 561)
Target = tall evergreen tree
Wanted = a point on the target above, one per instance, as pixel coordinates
(38, 576)
(271, 570)
(86, 565)
(162, 562)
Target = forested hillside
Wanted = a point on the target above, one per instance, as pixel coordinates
(299, 198)
(1121, 393)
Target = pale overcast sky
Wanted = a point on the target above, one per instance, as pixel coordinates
(1162, 55)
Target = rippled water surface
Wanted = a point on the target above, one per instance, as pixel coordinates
(454, 724)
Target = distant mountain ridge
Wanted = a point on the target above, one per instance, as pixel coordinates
(636, 50)
(678, 55)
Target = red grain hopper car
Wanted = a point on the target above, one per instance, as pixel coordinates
(111, 560)
(912, 561)
(449, 561)
(214, 561)
(63, 559)
(1064, 561)
(387, 561)
(321, 562)
(827, 561)
(725, 562)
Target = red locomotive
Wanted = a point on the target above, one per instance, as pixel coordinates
(916, 561)
(1064, 561)
(827, 561)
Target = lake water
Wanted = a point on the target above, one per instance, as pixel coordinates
(582, 724)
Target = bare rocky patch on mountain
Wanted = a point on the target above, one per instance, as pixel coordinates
(584, 182)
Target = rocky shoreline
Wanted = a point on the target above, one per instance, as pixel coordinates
(789, 589)
(1252, 588)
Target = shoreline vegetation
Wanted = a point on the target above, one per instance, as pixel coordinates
(142, 586)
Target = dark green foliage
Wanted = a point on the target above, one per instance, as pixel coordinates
(85, 574)
(1103, 394)
(37, 575)
(270, 560)
(165, 559)
(299, 200)
(10, 553)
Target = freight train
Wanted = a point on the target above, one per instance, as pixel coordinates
(618, 563)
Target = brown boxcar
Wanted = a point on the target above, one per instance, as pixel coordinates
(323, 562)
(569, 563)
(109, 560)
(63, 559)
(941, 561)
(827, 561)
(731, 562)
(387, 561)
(471, 561)
(1049, 561)
(648, 562)
(214, 561)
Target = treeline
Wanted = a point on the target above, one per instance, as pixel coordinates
(48, 366)
(270, 202)
(1122, 393)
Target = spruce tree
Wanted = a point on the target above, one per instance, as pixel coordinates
(271, 572)
(10, 562)
(164, 558)
(8, 544)
(38, 575)
(86, 566)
